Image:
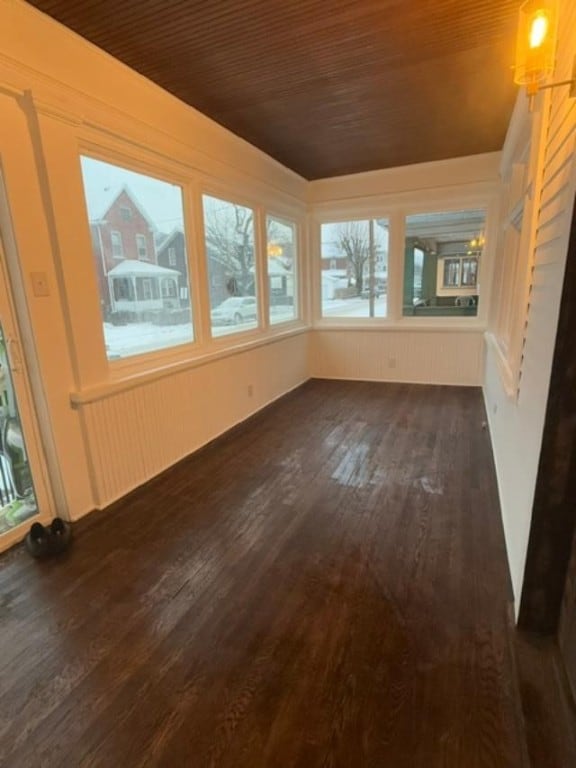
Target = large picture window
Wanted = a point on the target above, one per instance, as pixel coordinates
(282, 256)
(441, 261)
(354, 268)
(232, 280)
(134, 217)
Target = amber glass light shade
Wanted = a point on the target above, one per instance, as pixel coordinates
(536, 43)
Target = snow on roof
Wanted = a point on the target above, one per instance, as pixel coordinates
(135, 268)
(275, 267)
(112, 200)
(333, 276)
(162, 244)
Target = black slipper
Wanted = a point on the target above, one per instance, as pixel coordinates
(38, 540)
(60, 535)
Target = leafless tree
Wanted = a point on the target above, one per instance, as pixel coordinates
(352, 239)
(229, 230)
(229, 233)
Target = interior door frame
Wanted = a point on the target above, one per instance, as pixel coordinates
(553, 524)
(20, 195)
(22, 391)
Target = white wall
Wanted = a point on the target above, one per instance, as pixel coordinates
(422, 357)
(133, 434)
(443, 176)
(430, 350)
(105, 429)
(516, 421)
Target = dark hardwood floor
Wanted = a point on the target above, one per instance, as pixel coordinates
(324, 587)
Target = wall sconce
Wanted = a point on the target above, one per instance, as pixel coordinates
(536, 47)
(475, 245)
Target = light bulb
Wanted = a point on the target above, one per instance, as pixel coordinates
(538, 29)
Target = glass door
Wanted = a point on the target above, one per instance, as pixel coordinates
(24, 488)
(17, 497)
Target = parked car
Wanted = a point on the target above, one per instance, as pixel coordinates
(235, 310)
(379, 290)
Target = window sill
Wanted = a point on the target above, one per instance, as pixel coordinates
(137, 379)
(431, 325)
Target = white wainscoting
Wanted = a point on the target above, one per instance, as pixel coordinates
(421, 356)
(133, 435)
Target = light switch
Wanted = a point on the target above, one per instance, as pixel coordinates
(40, 283)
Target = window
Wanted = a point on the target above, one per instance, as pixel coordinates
(418, 268)
(282, 255)
(441, 260)
(123, 289)
(172, 257)
(135, 314)
(354, 268)
(117, 248)
(469, 272)
(168, 288)
(229, 238)
(125, 213)
(142, 246)
(460, 272)
(451, 273)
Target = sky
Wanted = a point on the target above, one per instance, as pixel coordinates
(331, 232)
(161, 201)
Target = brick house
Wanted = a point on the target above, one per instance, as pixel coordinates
(123, 232)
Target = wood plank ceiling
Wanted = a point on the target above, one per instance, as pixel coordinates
(325, 88)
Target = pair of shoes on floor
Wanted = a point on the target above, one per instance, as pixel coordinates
(42, 541)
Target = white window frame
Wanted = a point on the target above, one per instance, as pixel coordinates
(120, 255)
(395, 208)
(139, 240)
(147, 291)
(261, 291)
(290, 222)
(165, 293)
(339, 217)
(104, 370)
(96, 374)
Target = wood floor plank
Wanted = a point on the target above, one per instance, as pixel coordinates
(326, 586)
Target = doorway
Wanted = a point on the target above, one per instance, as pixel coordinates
(17, 498)
(24, 488)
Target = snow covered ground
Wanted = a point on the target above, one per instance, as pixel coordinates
(138, 338)
(353, 307)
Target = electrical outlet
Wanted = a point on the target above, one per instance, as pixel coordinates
(391, 362)
(250, 390)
